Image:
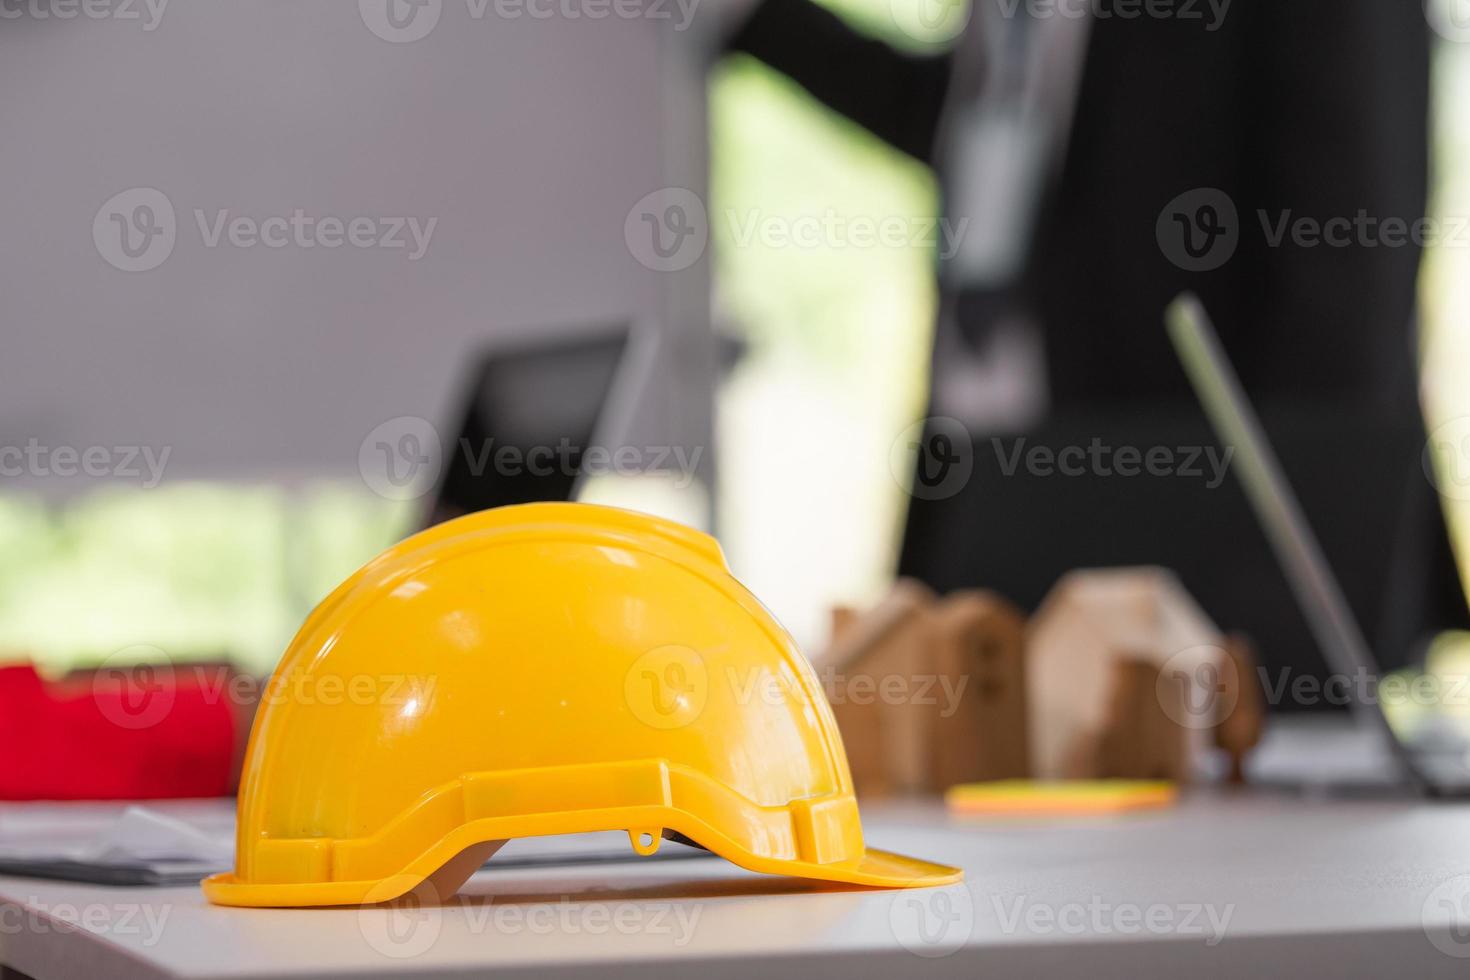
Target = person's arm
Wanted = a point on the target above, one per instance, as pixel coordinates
(894, 95)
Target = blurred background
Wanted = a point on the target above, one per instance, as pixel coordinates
(239, 378)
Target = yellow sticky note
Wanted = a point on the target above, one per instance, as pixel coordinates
(1080, 796)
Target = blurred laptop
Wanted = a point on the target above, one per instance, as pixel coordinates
(1436, 759)
(530, 413)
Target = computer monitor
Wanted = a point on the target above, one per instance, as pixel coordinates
(530, 413)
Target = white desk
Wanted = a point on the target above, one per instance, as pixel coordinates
(1330, 888)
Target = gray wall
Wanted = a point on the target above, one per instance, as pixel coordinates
(528, 139)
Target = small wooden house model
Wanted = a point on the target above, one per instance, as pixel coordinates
(928, 692)
(1127, 677)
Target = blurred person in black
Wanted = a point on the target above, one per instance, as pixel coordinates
(1108, 155)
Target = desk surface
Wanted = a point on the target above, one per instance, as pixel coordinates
(1216, 887)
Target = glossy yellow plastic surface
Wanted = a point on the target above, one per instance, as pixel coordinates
(534, 670)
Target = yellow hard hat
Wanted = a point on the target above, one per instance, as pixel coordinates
(534, 670)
